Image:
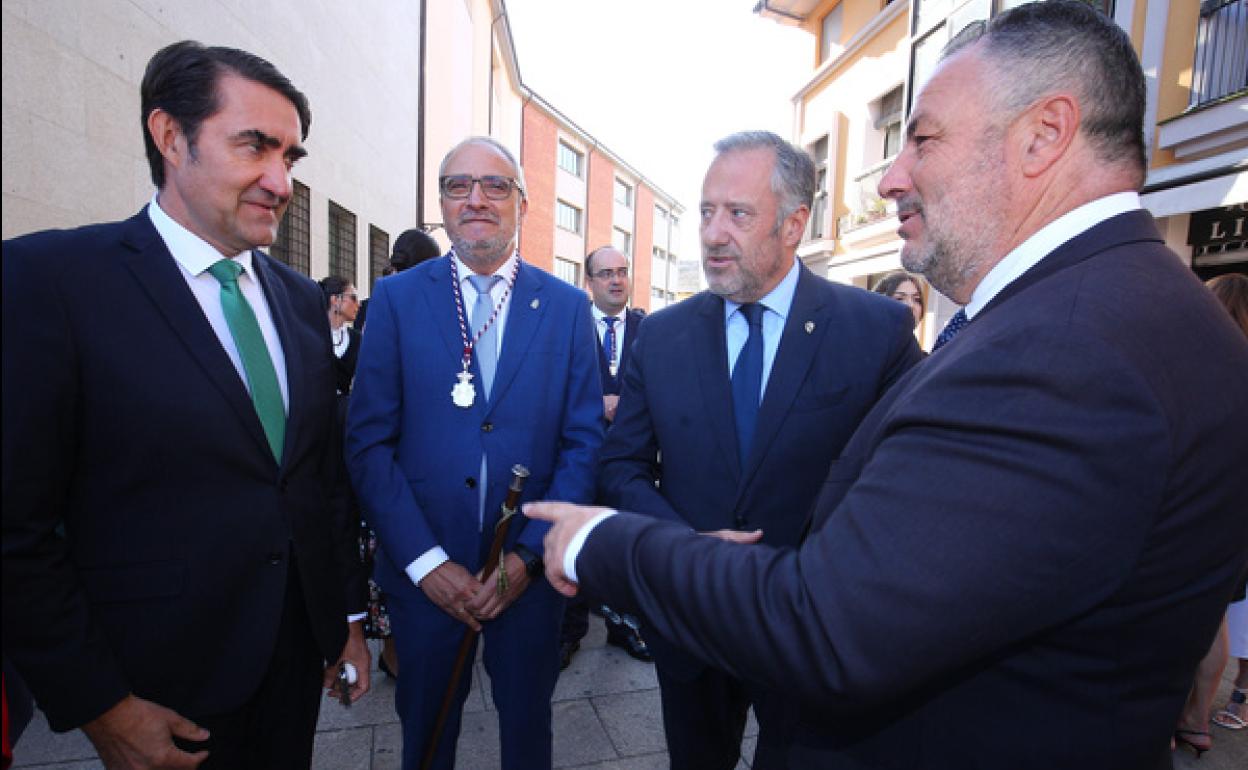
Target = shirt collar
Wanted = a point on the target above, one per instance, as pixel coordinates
(599, 315)
(503, 270)
(193, 253)
(1044, 241)
(778, 300)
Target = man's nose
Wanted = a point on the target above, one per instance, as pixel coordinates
(896, 180)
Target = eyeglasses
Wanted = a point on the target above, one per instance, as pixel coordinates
(607, 273)
(496, 188)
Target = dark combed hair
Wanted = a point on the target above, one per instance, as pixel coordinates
(332, 286)
(413, 247)
(181, 79)
(1039, 47)
(1231, 289)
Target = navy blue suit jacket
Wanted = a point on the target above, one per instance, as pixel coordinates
(840, 350)
(1025, 549)
(414, 456)
(147, 525)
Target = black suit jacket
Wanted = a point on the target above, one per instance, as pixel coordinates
(1025, 549)
(840, 350)
(148, 530)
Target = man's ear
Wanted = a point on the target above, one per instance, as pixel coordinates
(793, 226)
(1045, 132)
(167, 134)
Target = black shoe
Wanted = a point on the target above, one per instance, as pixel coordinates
(629, 640)
(565, 653)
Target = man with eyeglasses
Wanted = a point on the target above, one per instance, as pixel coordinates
(606, 277)
(473, 362)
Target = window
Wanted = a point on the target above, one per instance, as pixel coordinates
(341, 242)
(378, 253)
(830, 34)
(819, 211)
(623, 193)
(568, 270)
(568, 217)
(887, 113)
(293, 244)
(622, 241)
(570, 160)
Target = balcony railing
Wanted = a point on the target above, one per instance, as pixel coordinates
(867, 206)
(1221, 66)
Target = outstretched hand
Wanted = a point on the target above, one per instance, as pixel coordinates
(566, 520)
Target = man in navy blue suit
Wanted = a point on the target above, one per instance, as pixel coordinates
(473, 363)
(606, 277)
(177, 568)
(1029, 543)
(683, 449)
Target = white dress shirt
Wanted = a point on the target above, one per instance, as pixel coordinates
(194, 256)
(776, 304)
(600, 323)
(433, 558)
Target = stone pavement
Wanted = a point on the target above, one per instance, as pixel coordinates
(606, 717)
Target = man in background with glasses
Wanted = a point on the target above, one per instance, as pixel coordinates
(606, 277)
(473, 362)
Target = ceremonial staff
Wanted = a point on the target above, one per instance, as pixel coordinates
(512, 502)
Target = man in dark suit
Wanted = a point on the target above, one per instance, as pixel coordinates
(606, 277)
(176, 569)
(1028, 545)
(682, 449)
(472, 363)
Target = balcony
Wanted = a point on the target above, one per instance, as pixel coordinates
(1221, 62)
(866, 206)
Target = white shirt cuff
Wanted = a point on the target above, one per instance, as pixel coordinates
(353, 617)
(578, 541)
(426, 563)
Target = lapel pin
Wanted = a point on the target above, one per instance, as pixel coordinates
(810, 326)
(535, 303)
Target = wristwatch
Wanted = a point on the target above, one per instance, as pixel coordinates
(532, 562)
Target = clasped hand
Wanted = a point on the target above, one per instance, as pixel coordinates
(466, 598)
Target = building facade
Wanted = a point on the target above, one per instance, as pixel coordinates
(393, 85)
(583, 196)
(874, 55)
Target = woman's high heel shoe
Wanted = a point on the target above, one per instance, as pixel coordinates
(1192, 739)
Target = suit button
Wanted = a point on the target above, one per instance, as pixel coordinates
(487, 427)
(275, 558)
(283, 485)
(470, 482)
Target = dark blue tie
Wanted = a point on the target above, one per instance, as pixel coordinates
(747, 380)
(609, 341)
(956, 324)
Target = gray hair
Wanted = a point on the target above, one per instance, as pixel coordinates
(1039, 47)
(793, 175)
(498, 147)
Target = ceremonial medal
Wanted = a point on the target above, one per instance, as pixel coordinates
(463, 394)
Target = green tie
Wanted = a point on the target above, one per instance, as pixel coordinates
(266, 395)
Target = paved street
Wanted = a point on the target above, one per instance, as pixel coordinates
(606, 715)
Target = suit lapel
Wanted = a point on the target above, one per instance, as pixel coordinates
(160, 277)
(710, 349)
(441, 296)
(524, 315)
(796, 352)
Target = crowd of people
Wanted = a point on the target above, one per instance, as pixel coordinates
(768, 489)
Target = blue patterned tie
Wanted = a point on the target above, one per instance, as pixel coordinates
(747, 380)
(486, 347)
(266, 393)
(609, 340)
(956, 324)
